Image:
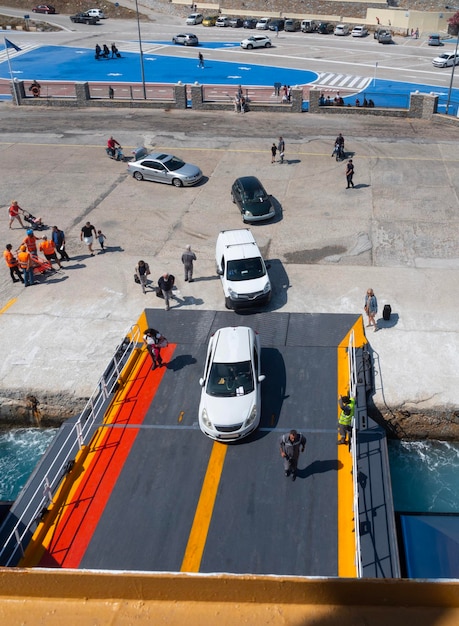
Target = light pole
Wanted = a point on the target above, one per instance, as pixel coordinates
(454, 66)
(142, 71)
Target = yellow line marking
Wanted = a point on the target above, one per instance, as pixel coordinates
(180, 417)
(346, 522)
(198, 535)
(7, 305)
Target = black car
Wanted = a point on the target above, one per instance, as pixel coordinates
(251, 22)
(236, 22)
(251, 198)
(325, 28)
(276, 25)
(84, 18)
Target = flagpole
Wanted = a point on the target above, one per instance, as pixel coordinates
(11, 73)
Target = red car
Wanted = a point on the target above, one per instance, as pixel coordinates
(44, 8)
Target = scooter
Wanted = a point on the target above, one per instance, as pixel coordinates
(116, 154)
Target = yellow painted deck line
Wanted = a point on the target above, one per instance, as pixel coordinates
(345, 496)
(7, 305)
(198, 535)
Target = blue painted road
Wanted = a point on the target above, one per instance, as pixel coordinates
(78, 64)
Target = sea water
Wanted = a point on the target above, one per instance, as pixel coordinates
(20, 451)
(425, 476)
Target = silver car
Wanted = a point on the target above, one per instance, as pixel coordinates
(165, 168)
(185, 39)
(256, 41)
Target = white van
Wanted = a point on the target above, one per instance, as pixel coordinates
(342, 29)
(263, 23)
(242, 270)
(308, 26)
(96, 13)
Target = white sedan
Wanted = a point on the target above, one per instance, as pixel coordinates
(256, 41)
(231, 391)
(359, 31)
(446, 60)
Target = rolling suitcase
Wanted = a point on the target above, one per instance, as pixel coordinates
(387, 310)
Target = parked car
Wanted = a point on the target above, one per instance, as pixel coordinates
(210, 20)
(384, 36)
(263, 23)
(194, 18)
(222, 21)
(242, 270)
(292, 26)
(251, 23)
(84, 18)
(325, 28)
(165, 168)
(276, 25)
(359, 31)
(341, 30)
(447, 59)
(96, 13)
(235, 22)
(186, 39)
(308, 26)
(251, 198)
(435, 40)
(230, 406)
(44, 8)
(256, 41)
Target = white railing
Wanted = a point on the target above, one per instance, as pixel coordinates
(352, 364)
(79, 434)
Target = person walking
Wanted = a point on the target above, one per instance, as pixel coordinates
(187, 259)
(13, 212)
(12, 264)
(101, 239)
(347, 406)
(290, 444)
(281, 149)
(58, 237)
(86, 235)
(49, 250)
(201, 60)
(273, 153)
(154, 341)
(371, 308)
(26, 265)
(97, 52)
(350, 174)
(142, 271)
(165, 284)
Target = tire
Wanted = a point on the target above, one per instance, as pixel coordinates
(228, 303)
(232, 199)
(138, 175)
(267, 45)
(249, 47)
(177, 182)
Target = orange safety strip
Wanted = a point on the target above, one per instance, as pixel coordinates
(67, 541)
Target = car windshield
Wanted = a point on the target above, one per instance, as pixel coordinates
(230, 379)
(245, 269)
(253, 194)
(173, 164)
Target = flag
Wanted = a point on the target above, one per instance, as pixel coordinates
(10, 44)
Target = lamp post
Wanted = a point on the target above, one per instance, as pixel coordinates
(142, 71)
(453, 68)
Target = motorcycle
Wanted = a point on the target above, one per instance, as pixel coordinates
(116, 154)
(339, 152)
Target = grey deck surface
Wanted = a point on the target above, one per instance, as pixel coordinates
(262, 522)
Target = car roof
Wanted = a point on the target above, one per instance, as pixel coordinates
(249, 182)
(233, 344)
(157, 156)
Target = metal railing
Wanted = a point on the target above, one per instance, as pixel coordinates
(19, 526)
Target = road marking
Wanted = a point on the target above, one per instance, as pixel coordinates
(7, 305)
(198, 535)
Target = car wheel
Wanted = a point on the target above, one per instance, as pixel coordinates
(177, 182)
(185, 43)
(267, 45)
(232, 198)
(249, 47)
(228, 303)
(138, 175)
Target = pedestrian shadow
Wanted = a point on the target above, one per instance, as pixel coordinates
(361, 186)
(390, 323)
(180, 361)
(186, 301)
(319, 467)
(73, 266)
(292, 161)
(202, 279)
(110, 249)
(54, 278)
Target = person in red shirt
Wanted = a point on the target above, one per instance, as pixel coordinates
(14, 213)
(12, 263)
(49, 250)
(111, 146)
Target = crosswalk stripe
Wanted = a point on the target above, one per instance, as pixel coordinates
(12, 54)
(342, 80)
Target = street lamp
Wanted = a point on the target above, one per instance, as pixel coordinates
(142, 71)
(454, 65)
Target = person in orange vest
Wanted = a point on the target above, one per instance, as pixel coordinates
(12, 263)
(14, 213)
(31, 242)
(26, 265)
(49, 250)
